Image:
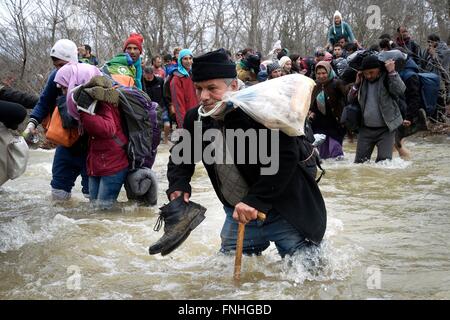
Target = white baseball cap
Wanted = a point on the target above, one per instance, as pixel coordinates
(65, 50)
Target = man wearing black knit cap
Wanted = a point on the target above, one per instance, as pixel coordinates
(242, 187)
(377, 90)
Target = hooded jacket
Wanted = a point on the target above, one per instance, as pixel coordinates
(344, 29)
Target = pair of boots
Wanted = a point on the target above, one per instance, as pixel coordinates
(180, 218)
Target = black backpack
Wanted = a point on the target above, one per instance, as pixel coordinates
(351, 117)
(139, 116)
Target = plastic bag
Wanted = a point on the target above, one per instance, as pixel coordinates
(18, 154)
(282, 103)
(356, 58)
(396, 55)
(13, 155)
(392, 54)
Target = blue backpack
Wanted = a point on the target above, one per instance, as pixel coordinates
(430, 86)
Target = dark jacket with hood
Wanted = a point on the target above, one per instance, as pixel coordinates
(286, 193)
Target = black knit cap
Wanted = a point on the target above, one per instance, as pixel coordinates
(370, 62)
(213, 65)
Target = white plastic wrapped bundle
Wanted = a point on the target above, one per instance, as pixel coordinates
(396, 55)
(281, 103)
(392, 54)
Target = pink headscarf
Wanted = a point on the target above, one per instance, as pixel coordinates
(328, 57)
(72, 75)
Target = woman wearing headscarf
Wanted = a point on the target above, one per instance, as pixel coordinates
(182, 88)
(340, 29)
(286, 65)
(107, 161)
(327, 103)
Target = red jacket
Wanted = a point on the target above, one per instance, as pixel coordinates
(159, 72)
(105, 156)
(183, 94)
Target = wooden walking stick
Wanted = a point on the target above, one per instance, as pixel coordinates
(240, 246)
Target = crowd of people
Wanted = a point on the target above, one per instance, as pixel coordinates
(384, 85)
(168, 82)
(346, 73)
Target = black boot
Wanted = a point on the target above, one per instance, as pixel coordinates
(180, 218)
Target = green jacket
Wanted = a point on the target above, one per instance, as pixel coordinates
(121, 65)
(344, 29)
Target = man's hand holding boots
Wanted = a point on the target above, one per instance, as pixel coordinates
(177, 194)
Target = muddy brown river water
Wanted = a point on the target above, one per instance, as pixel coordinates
(388, 237)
